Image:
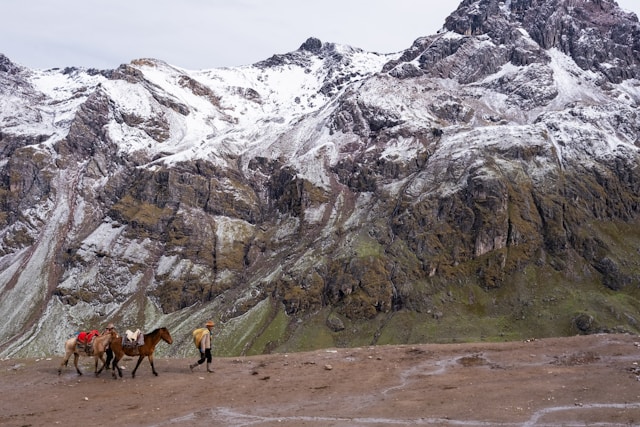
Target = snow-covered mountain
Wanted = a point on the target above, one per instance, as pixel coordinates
(480, 184)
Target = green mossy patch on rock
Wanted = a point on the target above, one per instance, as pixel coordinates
(257, 331)
(143, 217)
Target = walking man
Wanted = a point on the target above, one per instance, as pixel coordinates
(202, 340)
(108, 350)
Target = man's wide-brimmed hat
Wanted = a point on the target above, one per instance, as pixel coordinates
(209, 323)
(110, 326)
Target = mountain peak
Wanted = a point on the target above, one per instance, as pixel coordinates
(6, 66)
(312, 189)
(483, 35)
(333, 54)
(312, 44)
(596, 34)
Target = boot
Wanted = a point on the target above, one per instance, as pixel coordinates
(209, 368)
(192, 366)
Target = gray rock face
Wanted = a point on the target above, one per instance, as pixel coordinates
(481, 183)
(598, 35)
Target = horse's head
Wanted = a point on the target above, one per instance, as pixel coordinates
(165, 335)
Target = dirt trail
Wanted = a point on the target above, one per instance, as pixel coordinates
(572, 381)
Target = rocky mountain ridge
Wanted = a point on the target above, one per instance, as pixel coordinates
(479, 185)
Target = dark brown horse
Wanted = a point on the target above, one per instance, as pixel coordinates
(146, 350)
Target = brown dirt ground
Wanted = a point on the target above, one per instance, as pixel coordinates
(574, 381)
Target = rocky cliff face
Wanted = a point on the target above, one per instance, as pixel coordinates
(479, 185)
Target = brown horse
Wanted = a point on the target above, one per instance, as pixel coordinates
(146, 350)
(99, 346)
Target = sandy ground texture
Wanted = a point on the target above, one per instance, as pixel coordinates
(576, 381)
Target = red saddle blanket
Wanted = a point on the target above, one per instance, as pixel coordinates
(86, 337)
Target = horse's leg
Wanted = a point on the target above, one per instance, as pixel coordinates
(76, 356)
(133, 374)
(65, 361)
(153, 368)
(113, 368)
(101, 357)
(116, 359)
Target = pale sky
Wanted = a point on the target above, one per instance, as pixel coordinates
(202, 34)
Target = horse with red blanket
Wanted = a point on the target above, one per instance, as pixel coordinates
(88, 344)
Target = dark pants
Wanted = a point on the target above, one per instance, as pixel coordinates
(109, 353)
(205, 356)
